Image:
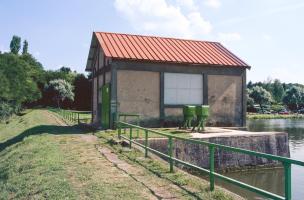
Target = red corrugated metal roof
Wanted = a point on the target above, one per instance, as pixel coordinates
(162, 49)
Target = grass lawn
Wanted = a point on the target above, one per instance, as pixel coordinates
(274, 116)
(42, 158)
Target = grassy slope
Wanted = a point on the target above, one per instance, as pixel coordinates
(41, 159)
(47, 162)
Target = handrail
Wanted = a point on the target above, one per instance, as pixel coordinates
(73, 116)
(212, 174)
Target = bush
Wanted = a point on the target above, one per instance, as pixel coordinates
(8, 109)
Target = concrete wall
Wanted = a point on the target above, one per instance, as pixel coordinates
(108, 77)
(268, 142)
(225, 100)
(137, 88)
(138, 92)
(175, 112)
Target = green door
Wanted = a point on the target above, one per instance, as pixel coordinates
(105, 106)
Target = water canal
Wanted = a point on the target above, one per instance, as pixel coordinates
(273, 179)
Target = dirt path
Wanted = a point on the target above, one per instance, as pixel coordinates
(160, 188)
(95, 172)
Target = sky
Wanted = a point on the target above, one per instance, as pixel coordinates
(266, 34)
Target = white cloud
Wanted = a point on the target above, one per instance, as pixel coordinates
(164, 18)
(266, 37)
(188, 4)
(198, 23)
(213, 3)
(229, 37)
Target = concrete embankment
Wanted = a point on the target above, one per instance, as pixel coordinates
(275, 143)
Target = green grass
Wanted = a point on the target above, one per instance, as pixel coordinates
(193, 187)
(42, 159)
(274, 116)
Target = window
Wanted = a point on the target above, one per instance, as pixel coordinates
(183, 88)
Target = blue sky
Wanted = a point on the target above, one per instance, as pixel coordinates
(267, 34)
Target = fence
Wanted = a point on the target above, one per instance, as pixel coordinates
(287, 162)
(74, 116)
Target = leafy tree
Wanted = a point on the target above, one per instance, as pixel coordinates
(15, 44)
(19, 85)
(249, 85)
(294, 97)
(250, 102)
(65, 69)
(65, 74)
(277, 90)
(260, 96)
(25, 47)
(35, 69)
(60, 90)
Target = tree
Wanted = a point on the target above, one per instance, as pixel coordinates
(277, 90)
(19, 87)
(25, 47)
(15, 44)
(65, 69)
(250, 101)
(260, 96)
(294, 97)
(60, 90)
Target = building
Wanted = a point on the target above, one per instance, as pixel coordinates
(156, 76)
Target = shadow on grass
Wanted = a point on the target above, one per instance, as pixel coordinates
(49, 129)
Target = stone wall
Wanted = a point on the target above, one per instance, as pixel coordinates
(270, 143)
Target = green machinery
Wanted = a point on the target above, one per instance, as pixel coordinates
(189, 115)
(200, 113)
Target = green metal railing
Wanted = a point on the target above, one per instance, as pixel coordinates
(287, 162)
(74, 116)
(129, 115)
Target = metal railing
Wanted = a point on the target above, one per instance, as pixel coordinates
(287, 162)
(73, 116)
(125, 116)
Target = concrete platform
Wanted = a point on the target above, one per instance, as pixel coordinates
(211, 132)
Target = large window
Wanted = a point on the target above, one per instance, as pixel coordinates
(183, 88)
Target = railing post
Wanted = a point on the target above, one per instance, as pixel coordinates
(211, 163)
(146, 143)
(124, 121)
(137, 130)
(119, 130)
(170, 152)
(130, 137)
(287, 173)
(78, 118)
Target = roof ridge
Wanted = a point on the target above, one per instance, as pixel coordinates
(131, 34)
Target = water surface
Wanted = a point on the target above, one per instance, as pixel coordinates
(273, 180)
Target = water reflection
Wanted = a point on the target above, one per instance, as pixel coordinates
(273, 180)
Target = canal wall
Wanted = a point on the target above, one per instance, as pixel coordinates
(275, 143)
